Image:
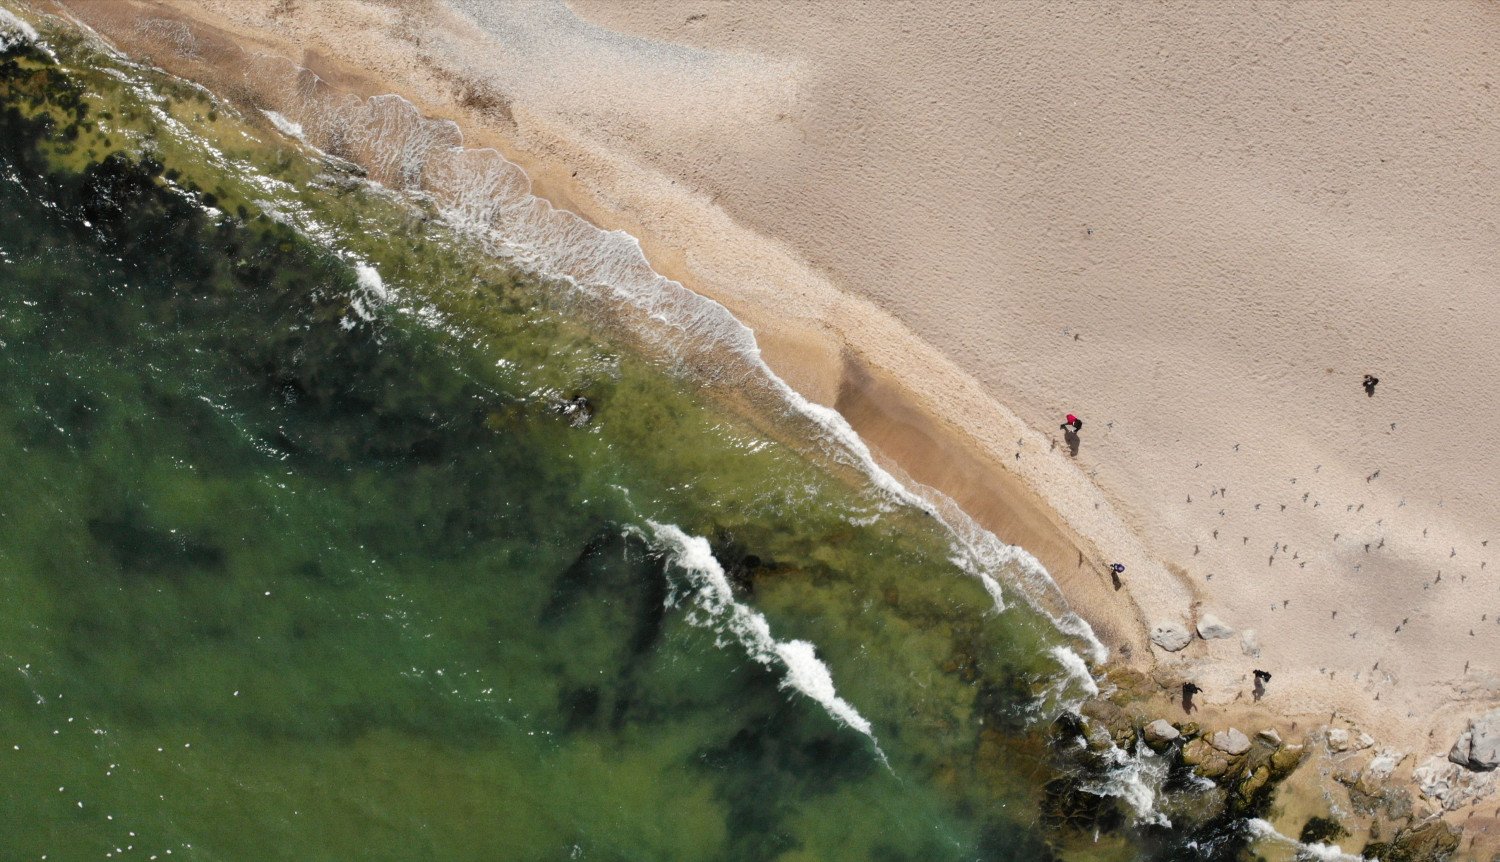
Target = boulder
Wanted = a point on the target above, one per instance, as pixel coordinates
(1250, 643)
(1478, 747)
(1270, 735)
(1363, 741)
(1170, 635)
(1211, 627)
(1231, 742)
(1338, 739)
(1159, 734)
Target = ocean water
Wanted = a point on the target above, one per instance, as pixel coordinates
(345, 519)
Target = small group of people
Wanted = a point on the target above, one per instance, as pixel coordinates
(1258, 690)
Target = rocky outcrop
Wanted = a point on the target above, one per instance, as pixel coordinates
(1478, 747)
(1434, 841)
(1211, 627)
(1170, 635)
(1338, 739)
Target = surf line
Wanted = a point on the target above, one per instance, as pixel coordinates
(711, 594)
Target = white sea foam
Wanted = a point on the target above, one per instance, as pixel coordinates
(285, 126)
(711, 594)
(1323, 852)
(1137, 779)
(14, 31)
(1076, 669)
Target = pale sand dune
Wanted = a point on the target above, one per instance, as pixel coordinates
(1195, 225)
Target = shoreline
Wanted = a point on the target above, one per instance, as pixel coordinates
(932, 421)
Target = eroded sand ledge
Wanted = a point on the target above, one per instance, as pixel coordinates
(1196, 229)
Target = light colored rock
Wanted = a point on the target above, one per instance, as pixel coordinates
(1159, 732)
(1211, 627)
(1170, 635)
(1230, 741)
(1363, 741)
(1270, 735)
(1250, 643)
(1478, 747)
(1338, 739)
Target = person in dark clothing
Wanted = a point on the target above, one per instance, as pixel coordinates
(1369, 384)
(1188, 690)
(1115, 570)
(1261, 678)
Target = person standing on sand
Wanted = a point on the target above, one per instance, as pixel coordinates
(1073, 424)
(1115, 570)
(1261, 678)
(1369, 384)
(1188, 690)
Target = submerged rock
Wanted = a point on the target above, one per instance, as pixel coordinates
(1170, 635)
(1478, 747)
(1433, 841)
(1211, 627)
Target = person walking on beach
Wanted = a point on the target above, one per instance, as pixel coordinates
(1072, 425)
(1369, 384)
(1261, 678)
(1188, 690)
(1115, 571)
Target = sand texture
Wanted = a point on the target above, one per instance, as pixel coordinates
(1196, 226)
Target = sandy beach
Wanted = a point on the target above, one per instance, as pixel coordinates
(1197, 227)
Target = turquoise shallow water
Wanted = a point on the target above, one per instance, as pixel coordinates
(324, 536)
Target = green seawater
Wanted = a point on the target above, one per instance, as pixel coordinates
(296, 567)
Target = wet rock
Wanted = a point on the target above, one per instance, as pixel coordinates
(1113, 720)
(1254, 783)
(1231, 741)
(1210, 762)
(1286, 760)
(1270, 735)
(1170, 635)
(1159, 734)
(1338, 739)
(1478, 747)
(1322, 830)
(1067, 804)
(1211, 627)
(1433, 841)
(1250, 643)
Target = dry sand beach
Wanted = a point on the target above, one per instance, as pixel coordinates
(1197, 226)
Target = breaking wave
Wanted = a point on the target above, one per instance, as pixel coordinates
(709, 593)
